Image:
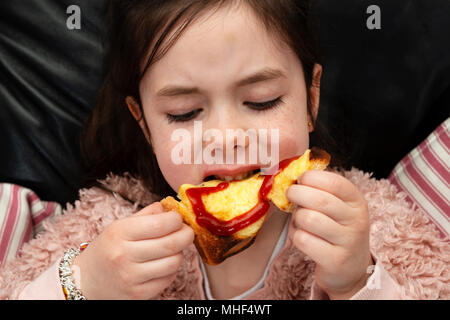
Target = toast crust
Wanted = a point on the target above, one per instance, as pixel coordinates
(212, 248)
(216, 248)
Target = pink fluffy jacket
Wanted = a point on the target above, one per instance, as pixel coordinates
(411, 259)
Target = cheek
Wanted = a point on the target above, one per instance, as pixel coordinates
(162, 145)
(293, 131)
(175, 174)
(294, 141)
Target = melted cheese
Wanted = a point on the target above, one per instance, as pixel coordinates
(238, 198)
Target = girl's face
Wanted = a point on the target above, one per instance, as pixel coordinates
(210, 61)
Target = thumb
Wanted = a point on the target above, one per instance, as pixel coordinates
(153, 208)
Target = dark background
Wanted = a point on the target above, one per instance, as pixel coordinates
(383, 91)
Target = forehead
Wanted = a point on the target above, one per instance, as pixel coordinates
(217, 49)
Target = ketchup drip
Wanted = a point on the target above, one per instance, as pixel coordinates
(227, 228)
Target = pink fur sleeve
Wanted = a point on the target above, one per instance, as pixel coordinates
(406, 243)
(79, 223)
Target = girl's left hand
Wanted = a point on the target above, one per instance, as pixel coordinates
(332, 227)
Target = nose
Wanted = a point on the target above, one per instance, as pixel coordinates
(228, 137)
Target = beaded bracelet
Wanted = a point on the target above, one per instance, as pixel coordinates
(71, 292)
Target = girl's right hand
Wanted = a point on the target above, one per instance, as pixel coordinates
(134, 258)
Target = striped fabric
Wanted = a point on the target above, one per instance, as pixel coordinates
(424, 175)
(21, 217)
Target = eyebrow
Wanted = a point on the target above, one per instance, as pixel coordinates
(263, 75)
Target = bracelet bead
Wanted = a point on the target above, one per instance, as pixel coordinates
(71, 292)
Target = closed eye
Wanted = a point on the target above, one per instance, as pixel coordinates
(257, 106)
(183, 117)
(260, 106)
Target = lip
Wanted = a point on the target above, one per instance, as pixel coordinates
(228, 170)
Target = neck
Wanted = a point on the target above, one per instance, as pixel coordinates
(242, 271)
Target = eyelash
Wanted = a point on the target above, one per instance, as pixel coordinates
(257, 106)
(262, 106)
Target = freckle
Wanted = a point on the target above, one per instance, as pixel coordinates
(230, 40)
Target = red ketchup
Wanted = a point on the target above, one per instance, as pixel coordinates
(227, 228)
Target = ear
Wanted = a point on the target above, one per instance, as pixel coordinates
(314, 93)
(135, 110)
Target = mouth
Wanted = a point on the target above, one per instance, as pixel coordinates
(228, 178)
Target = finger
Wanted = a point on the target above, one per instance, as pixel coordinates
(159, 268)
(316, 248)
(320, 225)
(151, 226)
(318, 200)
(332, 183)
(169, 245)
(155, 207)
(150, 289)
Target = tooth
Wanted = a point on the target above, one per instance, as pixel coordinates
(240, 176)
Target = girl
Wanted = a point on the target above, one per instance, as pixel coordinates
(247, 64)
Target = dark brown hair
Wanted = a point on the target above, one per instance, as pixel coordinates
(112, 140)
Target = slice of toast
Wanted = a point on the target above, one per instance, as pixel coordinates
(238, 198)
